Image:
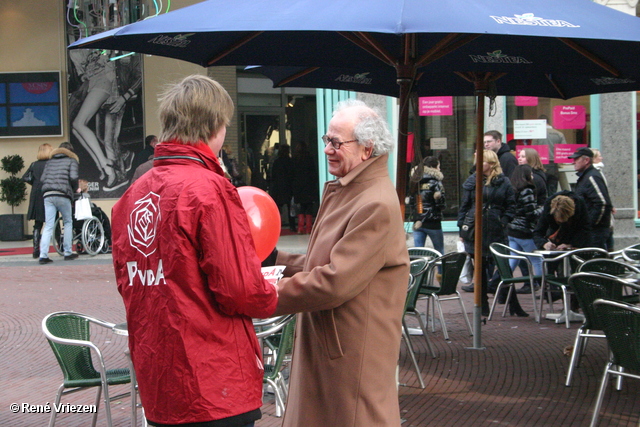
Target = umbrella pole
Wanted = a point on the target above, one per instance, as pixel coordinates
(403, 131)
(481, 87)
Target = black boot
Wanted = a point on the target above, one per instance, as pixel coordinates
(515, 308)
(502, 295)
(36, 243)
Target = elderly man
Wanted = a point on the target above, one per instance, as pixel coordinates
(493, 142)
(350, 286)
(592, 187)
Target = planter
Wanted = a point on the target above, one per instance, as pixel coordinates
(12, 227)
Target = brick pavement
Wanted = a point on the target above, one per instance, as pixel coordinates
(518, 380)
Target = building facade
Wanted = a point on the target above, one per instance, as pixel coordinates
(34, 35)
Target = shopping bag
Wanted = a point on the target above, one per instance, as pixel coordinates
(82, 209)
(466, 275)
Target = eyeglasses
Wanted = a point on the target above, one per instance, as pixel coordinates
(335, 144)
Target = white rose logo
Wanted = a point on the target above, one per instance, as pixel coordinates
(143, 222)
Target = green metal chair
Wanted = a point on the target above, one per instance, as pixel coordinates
(428, 253)
(618, 269)
(501, 255)
(571, 261)
(452, 264)
(587, 288)
(406, 337)
(68, 334)
(631, 254)
(418, 270)
(273, 371)
(621, 325)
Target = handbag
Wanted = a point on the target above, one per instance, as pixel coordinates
(82, 209)
(467, 231)
(28, 176)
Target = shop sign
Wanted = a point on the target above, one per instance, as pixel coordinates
(526, 101)
(563, 151)
(569, 117)
(436, 105)
(530, 129)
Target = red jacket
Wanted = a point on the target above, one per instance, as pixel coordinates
(188, 273)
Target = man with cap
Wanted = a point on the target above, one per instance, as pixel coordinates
(592, 188)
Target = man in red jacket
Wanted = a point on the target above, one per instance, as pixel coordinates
(188, 273)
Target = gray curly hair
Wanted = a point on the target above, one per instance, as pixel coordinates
(371, 130)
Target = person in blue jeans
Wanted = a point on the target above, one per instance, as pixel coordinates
(431, 203)
(59, 183)
(520, 229)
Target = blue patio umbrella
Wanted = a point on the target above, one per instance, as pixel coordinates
(409, 42)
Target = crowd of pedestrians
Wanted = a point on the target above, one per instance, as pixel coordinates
(517, 208)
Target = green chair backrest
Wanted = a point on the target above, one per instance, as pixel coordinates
(452, 264)
(583, 255)
(75, 361)
(632, 252)
(418, 270)
(604, 265)
(502, 263)
(588, 287)
(428, 253)
(621, 325)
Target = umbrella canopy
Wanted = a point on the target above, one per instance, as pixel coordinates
(419, 45)
(436, 45)
(460, 35)
(383, 82)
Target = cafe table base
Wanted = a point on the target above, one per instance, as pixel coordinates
(561, 318)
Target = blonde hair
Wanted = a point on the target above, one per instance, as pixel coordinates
(44, 151)
(562, 208)
(533, 159)
(491, 157)
(194, 110)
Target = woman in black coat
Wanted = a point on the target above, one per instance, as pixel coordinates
(520, 229)
(498, 201)
(529, 156)
(36, 201)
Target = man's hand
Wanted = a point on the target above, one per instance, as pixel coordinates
(549, 246)
(117, 106)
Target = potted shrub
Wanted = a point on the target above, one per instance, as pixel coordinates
(13, 191)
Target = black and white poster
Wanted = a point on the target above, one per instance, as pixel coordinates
(105, 109)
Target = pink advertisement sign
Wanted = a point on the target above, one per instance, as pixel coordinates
(526, 101)
(569, 117)
(436, 105)
(543, 151)
(563, 151)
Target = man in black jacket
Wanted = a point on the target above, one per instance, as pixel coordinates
(493, 142)
(59, 183)
(592, 188)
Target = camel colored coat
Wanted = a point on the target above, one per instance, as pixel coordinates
(350, 290)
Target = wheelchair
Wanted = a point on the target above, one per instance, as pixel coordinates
(88, 236)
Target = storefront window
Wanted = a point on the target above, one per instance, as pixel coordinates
(450, 137)
(568, 125)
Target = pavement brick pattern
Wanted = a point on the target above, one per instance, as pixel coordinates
(517, 380)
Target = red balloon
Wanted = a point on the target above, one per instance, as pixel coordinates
(264, 219)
